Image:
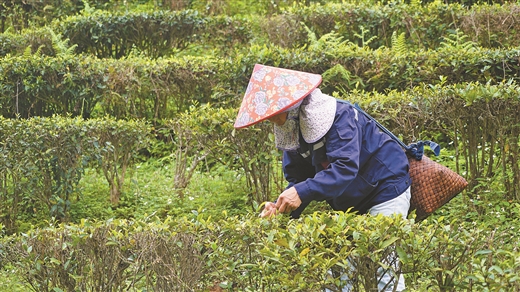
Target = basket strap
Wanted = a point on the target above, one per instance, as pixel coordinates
(416, 150)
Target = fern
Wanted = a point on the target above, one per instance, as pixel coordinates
(364, 43)
(27, 53)
(399, 43)
(39, 50)
(329, 41)
(341, 79)
(458, 41)
(61, 47)
(311, 36)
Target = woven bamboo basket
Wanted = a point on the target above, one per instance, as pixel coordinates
(433, 185)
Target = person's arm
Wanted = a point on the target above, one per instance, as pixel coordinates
(296, 169)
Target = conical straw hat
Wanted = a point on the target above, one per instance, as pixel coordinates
(271, 91)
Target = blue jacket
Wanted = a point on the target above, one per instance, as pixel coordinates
(354, 165)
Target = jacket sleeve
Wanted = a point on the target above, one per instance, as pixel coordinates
(343, 147)
(296, 170)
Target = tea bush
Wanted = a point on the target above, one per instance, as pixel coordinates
(206, 133)
(159, 89)
(151, 32)
(441, 71)
(251, 254)
(43, 160)
(373, 24)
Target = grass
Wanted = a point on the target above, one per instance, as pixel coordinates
(149, 190)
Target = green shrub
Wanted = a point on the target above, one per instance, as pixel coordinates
(159, 89)
(44, 160)
(21, 14)
(206, 132)
(373, 24)
(251, 254)
(157, 34)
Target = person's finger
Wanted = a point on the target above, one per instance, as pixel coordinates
(268, 213)
(272, 213)
(284, 206)
(288, 201)
(268, 205)
(280, 202)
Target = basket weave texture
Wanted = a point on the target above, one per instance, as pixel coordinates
(433, 185)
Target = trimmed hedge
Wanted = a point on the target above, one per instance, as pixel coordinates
(167, 33)
(252, 254)
(85, 86)
(158, 89)
(479, 121)
(424, 26)
(161, 33)
(42, 161)
(22, 14)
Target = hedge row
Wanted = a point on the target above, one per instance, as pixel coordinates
(252, 254)
(425, 26)
(21, 14)
(158, 89)
(155, 34)
(165, 33)
(457, 116)
(43, 159)
(81, 86)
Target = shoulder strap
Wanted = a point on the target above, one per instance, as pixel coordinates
(415, 150)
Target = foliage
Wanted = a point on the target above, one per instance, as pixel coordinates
(21, 14)
(160, 89)
(117, 143)
(207, 133)
(160, 33)
(252, 254)
(151, 192)
(458, 41)
(154, 33)
(44, 160)
(431, 70)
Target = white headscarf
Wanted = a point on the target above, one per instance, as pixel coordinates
(313, 117)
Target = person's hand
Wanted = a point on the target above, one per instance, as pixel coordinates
(288, 201)
(269, 210)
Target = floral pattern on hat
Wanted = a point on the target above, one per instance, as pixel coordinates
(271, 91)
